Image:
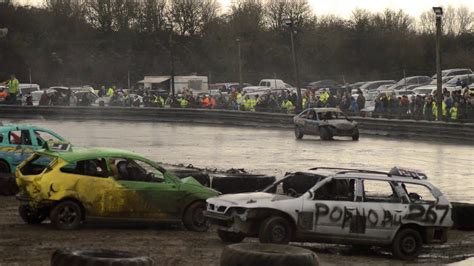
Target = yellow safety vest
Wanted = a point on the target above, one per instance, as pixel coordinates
(13, 86)
(454, 113)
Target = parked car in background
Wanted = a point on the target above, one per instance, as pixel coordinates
(274, 84)
(17, 142)
(351, 206)
(424, 91)
(373, 85)
(326, 123)
(406, 90)
(73, 186)
(453, 72)
(420, 80)
(453, 83)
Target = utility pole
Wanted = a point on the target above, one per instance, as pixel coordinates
(439, 97)
(128, 79)
(240, 64)
(169, 27)
(290, 23)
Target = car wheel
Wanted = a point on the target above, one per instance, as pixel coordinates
(4, 167)
(324, 133)
(66, 215)
(407, 244)
(8, 185)
(256, 254)
(194, 218)
(276, 230)
(298, 133)
(29, 215)
(230, 237)
(98, 257)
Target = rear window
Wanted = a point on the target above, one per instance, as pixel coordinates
(37, 164)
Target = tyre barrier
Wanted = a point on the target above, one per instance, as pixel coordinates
(8, 185)
(100, 257)
(300, 182)
(463, 216)
(255, 254)
(200, 176)
(238, 183)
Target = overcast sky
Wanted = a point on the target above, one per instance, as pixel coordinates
(344, 8)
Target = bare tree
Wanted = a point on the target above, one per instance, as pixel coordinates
(152, 15)
(278, 10)
(465, 20)
(68, 8)
(125, 14)
(190, 16)
(101, 14)
(390, 20)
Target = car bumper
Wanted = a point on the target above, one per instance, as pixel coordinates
(344, 132)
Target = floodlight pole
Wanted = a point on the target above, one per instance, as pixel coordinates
(290, 24)
(169, 27)
(439, 97)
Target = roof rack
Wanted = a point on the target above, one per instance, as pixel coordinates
(365, 172)
(352, 170)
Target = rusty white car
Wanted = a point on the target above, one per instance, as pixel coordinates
(357, 207)
(326, 123)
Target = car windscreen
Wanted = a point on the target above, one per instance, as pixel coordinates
(331, 115)
(37, 164)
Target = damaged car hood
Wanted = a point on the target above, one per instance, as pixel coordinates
(248, 198)
(341, 124)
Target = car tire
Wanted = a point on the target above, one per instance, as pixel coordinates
(276, 230)
(194, 219)
(30, 215)
(4, 167)
(298, 132)
(98, 257)
(407, 244)
(324, 133)
(230, 237)
(255, 254)
(355, 136)
(66, 215)
(8, 186)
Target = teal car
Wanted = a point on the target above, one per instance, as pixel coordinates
(18, 142)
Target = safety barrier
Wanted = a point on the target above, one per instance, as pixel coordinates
(379, 126)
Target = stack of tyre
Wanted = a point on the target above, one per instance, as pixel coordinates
(8, 185)
(233, 181)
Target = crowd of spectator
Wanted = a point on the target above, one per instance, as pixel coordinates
(456, 104)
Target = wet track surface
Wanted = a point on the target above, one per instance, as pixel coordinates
(267, 151)
(271, 151)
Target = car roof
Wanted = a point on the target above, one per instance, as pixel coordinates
(9, 127)
(327, 109)
(381, 177)
(91, 153)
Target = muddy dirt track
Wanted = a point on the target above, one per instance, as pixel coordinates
(258, 150)
(22, 244)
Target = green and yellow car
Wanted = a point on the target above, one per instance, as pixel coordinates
(74, 186)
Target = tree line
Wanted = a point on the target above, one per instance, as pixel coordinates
(95, 42)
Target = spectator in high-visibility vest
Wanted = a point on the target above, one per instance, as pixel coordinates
(287, 106)
(453, 112)
(324, 97)
(183, 102)
(110, 92)
(13, 88)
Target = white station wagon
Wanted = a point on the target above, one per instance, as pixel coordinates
(356, 207)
